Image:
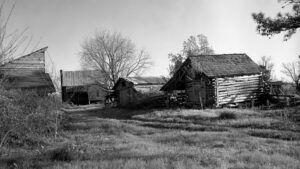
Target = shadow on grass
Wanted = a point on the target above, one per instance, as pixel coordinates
(112, 113)
(281, 135)
(184, 127)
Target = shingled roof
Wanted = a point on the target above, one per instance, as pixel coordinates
(224, 65)
(81, 78)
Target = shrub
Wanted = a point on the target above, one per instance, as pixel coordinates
(62, 154)
(227, 115)
(25, 117)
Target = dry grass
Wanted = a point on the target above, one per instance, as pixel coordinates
(171, 139)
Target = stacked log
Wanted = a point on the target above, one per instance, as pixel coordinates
(237, 89)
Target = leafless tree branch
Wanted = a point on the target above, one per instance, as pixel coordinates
(10, 42)
(292, 70)
(113, 55)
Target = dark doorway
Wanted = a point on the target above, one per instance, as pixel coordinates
(80, 98)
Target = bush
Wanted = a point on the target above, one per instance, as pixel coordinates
(25, 117)
(62, 154)
(227, 115)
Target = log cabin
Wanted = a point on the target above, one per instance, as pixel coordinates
(217, 80)
(131, 90)
(28, 73)
(82, 87)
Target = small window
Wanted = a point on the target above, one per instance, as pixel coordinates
(123, 84)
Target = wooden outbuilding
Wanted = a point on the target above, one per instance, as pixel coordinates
(82, 87)
(129, 91)
(276, 87)
(216, 80)
(28, 72)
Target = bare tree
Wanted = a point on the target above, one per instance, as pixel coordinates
(194, 45)
(266, 63)
(10, 41)
(176, 61)
(292, 70)
(113, 55)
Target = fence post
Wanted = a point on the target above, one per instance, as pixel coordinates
(287, 101)
(268, 103)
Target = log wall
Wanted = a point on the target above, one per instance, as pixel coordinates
(237, 89)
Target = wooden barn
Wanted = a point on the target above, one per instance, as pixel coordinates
(28, 72)
(216, 80)
(82, 87)
(131, 90)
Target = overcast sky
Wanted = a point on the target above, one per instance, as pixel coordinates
(159, 26)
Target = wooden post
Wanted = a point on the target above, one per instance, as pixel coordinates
(287, 101)
(217, 92)
(63, 89)
(268, 103)
(200, 99)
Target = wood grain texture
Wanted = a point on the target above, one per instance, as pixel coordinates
(28, 72)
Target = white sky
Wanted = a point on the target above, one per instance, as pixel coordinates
(159, 26)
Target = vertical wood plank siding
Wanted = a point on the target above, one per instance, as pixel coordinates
(200, 91)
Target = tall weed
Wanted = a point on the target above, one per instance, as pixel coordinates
(25, 116)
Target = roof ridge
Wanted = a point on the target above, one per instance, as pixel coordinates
(78, 70)
(217, 54)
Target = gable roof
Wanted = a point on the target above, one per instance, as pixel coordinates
(224, 65)
(81, 78)
(140, 80)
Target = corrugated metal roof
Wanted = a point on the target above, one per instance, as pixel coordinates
(82, 78)
(224, 65)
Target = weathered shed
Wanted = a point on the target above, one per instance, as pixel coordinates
(131, 90)
(82, 87)
(276, 87)
(217, 79)
(28, 72)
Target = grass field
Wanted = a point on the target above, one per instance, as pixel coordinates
(167, 139)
